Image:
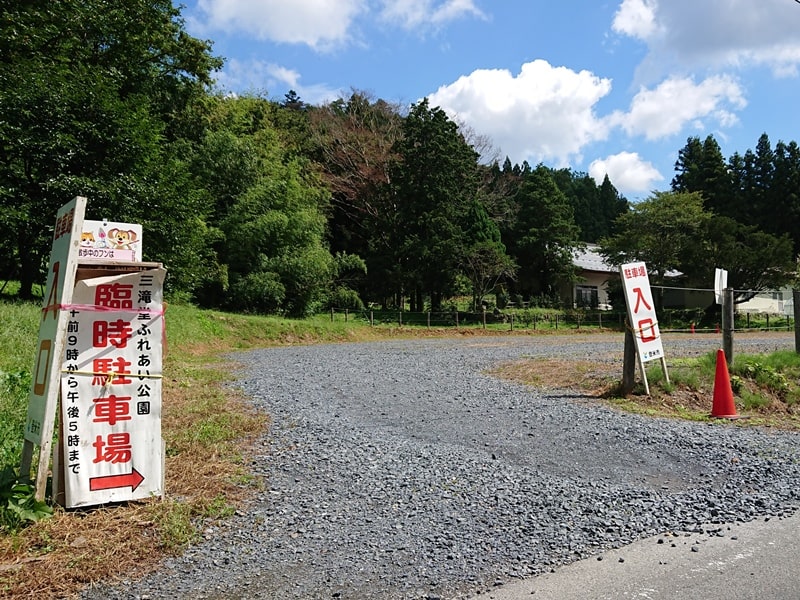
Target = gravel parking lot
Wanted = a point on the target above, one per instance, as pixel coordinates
(399, 469)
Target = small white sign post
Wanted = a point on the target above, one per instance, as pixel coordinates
(43, 397)
(111, 389)
(720, 283)
(642, 317)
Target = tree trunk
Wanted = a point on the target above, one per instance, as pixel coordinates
(436, 301)
(29, 270)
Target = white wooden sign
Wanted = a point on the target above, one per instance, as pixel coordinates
(641, 311)
(111, 389)
(43, 397)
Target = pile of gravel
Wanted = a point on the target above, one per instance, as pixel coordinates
(398, 470)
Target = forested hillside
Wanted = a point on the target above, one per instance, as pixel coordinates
(270, 205)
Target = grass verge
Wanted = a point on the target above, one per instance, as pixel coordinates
(766, 387)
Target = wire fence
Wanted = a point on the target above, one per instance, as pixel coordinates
(498, 320)
(690, 311)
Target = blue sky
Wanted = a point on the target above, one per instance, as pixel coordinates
(614, 86)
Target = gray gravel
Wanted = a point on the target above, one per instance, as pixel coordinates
(399, 470)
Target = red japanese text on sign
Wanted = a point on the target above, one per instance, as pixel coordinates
(641, 311)
(114, 295)
(116, 373)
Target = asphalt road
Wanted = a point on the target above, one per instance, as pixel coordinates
(741, 561)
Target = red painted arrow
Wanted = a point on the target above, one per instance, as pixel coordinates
(110, 482)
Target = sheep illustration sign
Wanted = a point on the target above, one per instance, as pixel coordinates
(108, 241)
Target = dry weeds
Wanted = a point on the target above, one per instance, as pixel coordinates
(205, 478)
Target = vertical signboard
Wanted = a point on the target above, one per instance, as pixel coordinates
(60, 280)
(641, 311)
(111, 389)
(43, 397)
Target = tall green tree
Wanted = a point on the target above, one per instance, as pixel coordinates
(701, 168)
(543, 236)
(434, 183)
(354, 139)
(786, 190)
(486, 263)
(89, 92)
(269, 213)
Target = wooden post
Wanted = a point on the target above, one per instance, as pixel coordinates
(795, 301)
(628, 362)
(727, 324)
(556, 321)
(346, 312)
(512, 321)
(456, 319)
(331, 314)
(371, 318)
(429, 319)
(400, 318)
(484, 319)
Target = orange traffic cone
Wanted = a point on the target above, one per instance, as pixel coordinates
(723, 407)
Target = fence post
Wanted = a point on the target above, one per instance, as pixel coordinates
(429, 319)
(628, 361)
(512, 321)
(456, 319)
(371, 318)
(795, 300)
(331, 314)
(556, 321)
(346, 312)
(484, 319)
(400, 318)
(727, 324)
(600, 320)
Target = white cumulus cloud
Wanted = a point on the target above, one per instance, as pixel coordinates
(636, 18)
(320, 24)
(325, 24)
(628, 172)
(666, 109)
(542, 114)
(690, 34)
